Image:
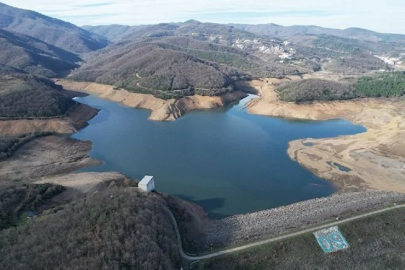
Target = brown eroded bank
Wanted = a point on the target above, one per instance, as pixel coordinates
(76, 119)
(374, 160)
(161, 110)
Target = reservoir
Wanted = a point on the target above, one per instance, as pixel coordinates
(226, 160)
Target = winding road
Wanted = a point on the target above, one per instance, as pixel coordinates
(275, 239)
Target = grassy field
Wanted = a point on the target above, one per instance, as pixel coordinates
(376, 242)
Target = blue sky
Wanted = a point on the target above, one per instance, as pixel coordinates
(383, 16)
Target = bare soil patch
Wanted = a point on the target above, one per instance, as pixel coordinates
(46, 156)
(375, 158)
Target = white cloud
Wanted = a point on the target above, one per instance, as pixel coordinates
(384, 16)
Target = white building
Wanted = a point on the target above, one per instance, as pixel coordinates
(147, 184)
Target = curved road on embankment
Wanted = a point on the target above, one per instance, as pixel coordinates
(262, 242)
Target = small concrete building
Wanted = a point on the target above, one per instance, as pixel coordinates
(147, 184)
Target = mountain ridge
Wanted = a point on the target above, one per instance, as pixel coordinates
(50, 30)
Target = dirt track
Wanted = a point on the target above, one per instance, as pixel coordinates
(77, 184)
(376, 158)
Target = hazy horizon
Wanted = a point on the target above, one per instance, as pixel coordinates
(384, 17)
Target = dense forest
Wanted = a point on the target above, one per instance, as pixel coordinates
(148, 68)
(389, 84)
(226, 55)
(118, 228)
(23, 96)
(384, 85)
(315, 89)
(18, 203)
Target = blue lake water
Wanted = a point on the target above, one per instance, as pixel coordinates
(226, 160)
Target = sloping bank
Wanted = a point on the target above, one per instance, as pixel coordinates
(161, 110)
(76, 119)
(373, 160)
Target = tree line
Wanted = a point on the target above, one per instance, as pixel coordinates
(389, 84)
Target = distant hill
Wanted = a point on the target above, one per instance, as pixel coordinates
(277, 50)
(275, 30)
(177, 59)
(52, 31)
(113, 32)
(231, 56)
(209, 32)
(345, 55)
(219, 45)
(23, 96)
(34, 56)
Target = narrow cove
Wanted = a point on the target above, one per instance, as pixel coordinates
(226, 160)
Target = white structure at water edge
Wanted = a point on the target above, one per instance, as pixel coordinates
(147, 183)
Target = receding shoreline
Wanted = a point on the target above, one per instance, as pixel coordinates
(161, 110)
(71, 123)
(375, 159)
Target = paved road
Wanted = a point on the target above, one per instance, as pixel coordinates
(275, 239)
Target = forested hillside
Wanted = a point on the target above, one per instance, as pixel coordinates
(384, 85)
(389, 84)
(23, 95)
(231, 56)
(148, 68)
(16, 203)
(174, 65)
(315, 89)
(118, 228)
